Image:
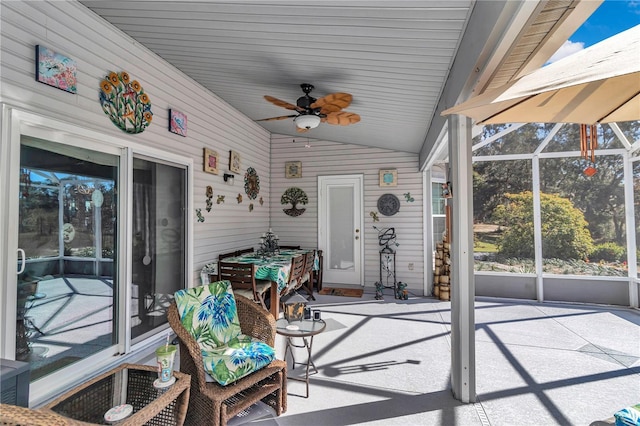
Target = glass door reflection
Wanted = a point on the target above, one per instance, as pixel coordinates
(67, 294)
(159, 242)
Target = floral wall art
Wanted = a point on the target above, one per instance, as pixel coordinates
(55, 69)
(177, 122)
(125, 102)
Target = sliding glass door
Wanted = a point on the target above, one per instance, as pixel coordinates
(94, 238)
(159, 242)
(67, 288)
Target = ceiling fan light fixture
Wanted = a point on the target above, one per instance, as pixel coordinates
(307, 121)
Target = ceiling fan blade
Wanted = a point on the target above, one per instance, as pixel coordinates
(342, 118)
(301, 130)
(281, 103)
(282, 117)
(333, 102)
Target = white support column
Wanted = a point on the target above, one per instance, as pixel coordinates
(463, 354)
(427, 288)
(537, 226)
(630, 224)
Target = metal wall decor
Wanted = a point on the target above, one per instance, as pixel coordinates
(295, 196)
(388, 204)
(199, 214)
(251, 183)
(209, 198)
(125, 102)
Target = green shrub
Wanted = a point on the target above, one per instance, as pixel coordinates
(564, 230)
(608, 252)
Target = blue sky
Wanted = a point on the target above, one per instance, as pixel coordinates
(612, 17)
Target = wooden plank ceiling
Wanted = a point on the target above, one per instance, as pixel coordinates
(392, 56)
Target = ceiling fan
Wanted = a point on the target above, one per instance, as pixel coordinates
(311, 111)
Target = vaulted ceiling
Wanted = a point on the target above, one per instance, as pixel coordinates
(395, 57)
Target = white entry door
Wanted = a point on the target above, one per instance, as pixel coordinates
(340, 228)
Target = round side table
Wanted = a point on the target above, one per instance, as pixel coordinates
(304, 329)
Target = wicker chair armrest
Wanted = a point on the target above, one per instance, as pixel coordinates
(190, 354)
(255, 321)
(15, 415)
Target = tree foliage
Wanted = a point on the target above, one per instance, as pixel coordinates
(600, 197)
(565, 233)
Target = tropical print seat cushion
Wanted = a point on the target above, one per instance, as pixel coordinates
(629, 416)
(210, 315)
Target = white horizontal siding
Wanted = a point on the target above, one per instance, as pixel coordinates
(332, 158)
(71, 29)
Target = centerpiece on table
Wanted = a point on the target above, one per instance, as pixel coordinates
(269, 244)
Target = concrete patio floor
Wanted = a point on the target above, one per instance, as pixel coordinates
(388, 363)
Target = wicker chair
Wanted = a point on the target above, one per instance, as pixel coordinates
(21, 416)
(210, 402)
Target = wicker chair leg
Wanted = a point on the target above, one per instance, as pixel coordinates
(283, 391)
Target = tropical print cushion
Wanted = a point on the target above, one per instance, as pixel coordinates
(629, 416)
(237, 359)
(210, 315)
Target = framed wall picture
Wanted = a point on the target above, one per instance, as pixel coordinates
(55, 69)
(177, 122)
(211, 160)
(234, 162)
(293, 169)
(388, 177)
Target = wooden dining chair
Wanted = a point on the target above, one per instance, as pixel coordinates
(306, 281)
(221, 257)
(295, 276)
(245, 251)
(317, 275)
(243, 281)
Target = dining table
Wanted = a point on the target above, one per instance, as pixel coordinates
(276, 268)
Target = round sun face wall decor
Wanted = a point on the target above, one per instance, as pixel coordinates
(251, 183)
(125, 102)
(388, 204)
